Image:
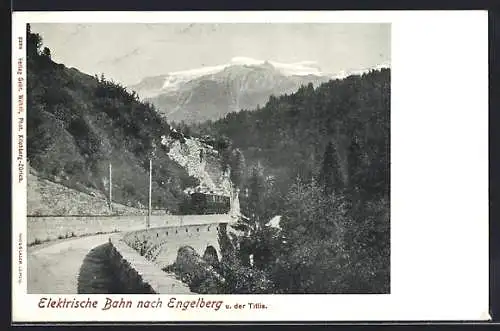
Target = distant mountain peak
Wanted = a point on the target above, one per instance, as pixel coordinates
(345, 73)
(302, 68)
(210, 92)
(174, 79)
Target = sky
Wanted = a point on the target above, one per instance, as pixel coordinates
(128, 52)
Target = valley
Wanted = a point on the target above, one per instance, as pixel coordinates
(293, 163)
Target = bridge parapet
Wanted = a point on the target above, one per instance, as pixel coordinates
(138, 275)
(138, 256)
(51, 227)
(160, 245)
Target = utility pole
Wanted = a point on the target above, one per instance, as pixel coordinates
(110, 188)
(151, 156)
(150, 182)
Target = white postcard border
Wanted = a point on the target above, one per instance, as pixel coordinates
(19, 173)
(439, 251)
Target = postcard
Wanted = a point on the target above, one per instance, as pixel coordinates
(249, 166)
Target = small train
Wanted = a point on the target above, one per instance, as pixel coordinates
(205, 204)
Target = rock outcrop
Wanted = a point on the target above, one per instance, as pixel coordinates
(200, 161)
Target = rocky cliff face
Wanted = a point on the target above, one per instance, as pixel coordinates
(204, 163)
(200, 161)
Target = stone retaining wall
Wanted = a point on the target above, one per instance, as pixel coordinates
(137, 275)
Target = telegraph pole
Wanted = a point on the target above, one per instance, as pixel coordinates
(110, 188)
(151, 156)
(150, 182)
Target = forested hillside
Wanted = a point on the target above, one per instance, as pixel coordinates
(320, 158)
(78, 124)
(289, 135)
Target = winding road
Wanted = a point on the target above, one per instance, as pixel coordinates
(70, 267)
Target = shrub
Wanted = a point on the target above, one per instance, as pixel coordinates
(193, 270)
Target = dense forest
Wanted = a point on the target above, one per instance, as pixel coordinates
(289, 135)
(320, 158)
(78, 124)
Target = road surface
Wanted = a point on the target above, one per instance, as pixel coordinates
(70, 267)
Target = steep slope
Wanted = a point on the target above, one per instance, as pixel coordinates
(210, 93)
(48, 198)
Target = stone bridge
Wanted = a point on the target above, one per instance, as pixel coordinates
(160, 244)
(132, 255)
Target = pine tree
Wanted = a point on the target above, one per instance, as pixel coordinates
(354, 163)
(311, 260)
(237, 168)
(256, 198)
(34, 42)
(329, 176)
(46, 52)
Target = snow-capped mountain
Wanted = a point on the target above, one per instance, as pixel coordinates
(345, 73)
(209, 93)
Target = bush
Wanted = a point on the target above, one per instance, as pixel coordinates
(193, 270)
(140, 245)
(242, 279)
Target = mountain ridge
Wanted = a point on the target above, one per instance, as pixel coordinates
(210, 93)
(289, 134)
